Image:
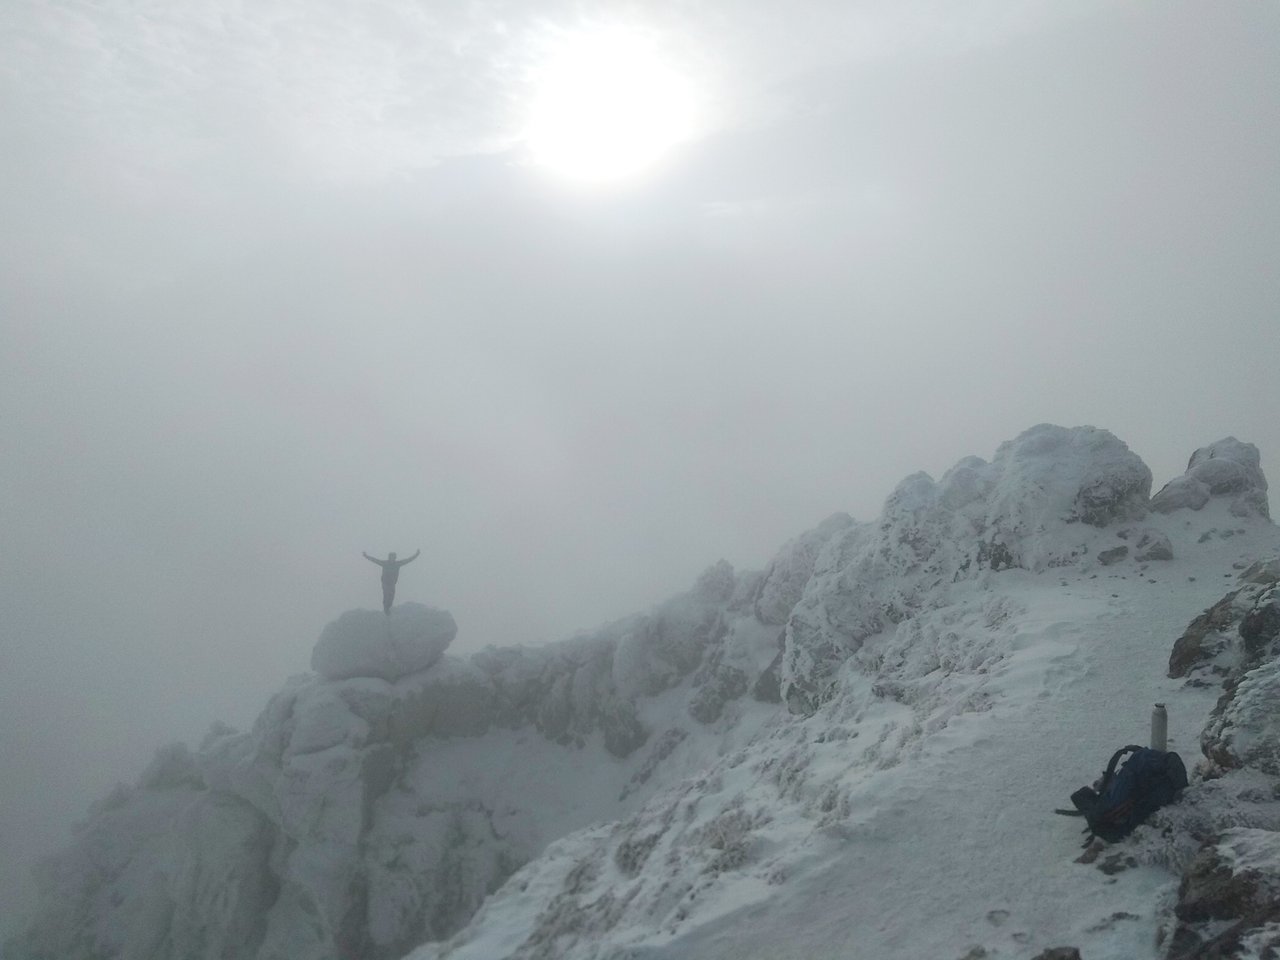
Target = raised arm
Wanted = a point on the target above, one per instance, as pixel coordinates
(381, 563)
(411, 559)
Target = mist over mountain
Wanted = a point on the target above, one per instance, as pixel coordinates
(854, 752)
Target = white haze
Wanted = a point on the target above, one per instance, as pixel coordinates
(277, 285)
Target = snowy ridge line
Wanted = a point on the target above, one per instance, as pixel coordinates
(698, 780)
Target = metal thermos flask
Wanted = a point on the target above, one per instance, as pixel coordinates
(1159, 728)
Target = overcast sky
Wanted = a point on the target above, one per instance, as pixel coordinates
(280, 283)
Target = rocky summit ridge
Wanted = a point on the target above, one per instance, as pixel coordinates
(624, 790)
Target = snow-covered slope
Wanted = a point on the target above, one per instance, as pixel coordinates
(853, 753)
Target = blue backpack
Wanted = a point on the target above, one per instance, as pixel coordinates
(1123, 798)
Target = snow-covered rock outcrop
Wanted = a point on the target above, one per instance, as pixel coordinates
(642, 790)
(1228, 469)
(377, 803)
(1223, 837)
(1045, 500)
(1244, 729)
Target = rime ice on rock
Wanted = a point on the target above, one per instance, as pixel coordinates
(1228, 468)
(380, 801)
(1046, 500)
(366, 643)
(1230, 890)
(1051, 474)
(784, 579)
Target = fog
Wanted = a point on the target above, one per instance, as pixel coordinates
(278, 285)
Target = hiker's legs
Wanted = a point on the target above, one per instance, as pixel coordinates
(388, 594)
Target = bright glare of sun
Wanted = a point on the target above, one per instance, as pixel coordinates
(607, 105)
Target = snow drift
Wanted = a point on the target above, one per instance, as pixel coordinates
(698, 780)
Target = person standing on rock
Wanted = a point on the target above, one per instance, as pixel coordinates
(390, 574)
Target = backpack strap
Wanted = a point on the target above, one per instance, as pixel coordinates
(1107, 776)
(1111, 766)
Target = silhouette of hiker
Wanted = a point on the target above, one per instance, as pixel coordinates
(390, 574)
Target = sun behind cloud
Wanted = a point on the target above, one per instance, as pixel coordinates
(607, 105)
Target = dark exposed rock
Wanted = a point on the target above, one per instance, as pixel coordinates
(1215, 889)
(1058, 953)
(995, 556)
(1153, 545)
(1117, 863)
(1092, 851)
(1210, 890)
(1191, 647)
(1114, 555)
(1261, 625)
(1111, 921)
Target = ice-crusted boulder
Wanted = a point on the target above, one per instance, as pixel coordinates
(1228, 468)
(1051, 474)
(366, 643)
(1046, 499)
